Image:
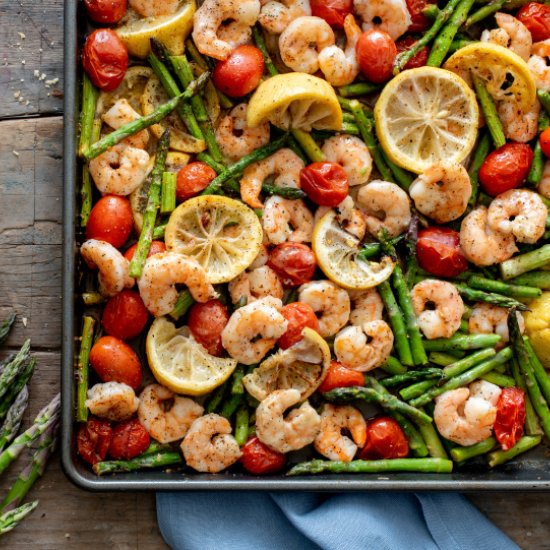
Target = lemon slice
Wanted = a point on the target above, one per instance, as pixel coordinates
(222, 234)
(505, 73)
(426, 115)
(180, 363)
(295, 100)
(171, 30)
(302, 367)
(336, 251)
(131, 88)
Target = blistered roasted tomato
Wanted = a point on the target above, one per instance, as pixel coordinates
(376, 53)
(536, 17)
(106, 11)
(385, 439)
(129, 440)
(419, 22)
(510, 417)
(339, 376)
(125, 315)
(326, 183)
(294, 263)
(332, 11)
(192, 179)
(299, 315)
(420, 59)
(111, 220)
(156, 248)
(544, 140)
(93, 440)
(206, 322)
(258, 458)
(438, 251)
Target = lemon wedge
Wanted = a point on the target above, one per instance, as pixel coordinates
(295, 101)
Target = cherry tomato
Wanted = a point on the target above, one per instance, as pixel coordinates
(258, 458)
(536, 17)
(438, 251)
(105, 59)
(299, 315)
(241, 72)
(376, 53)
(156, 248)
(332, 11)
(125, 315)
(111, 220)
(326, 183)
(510, 417)
(192, 179)
(419, 22)
(106, 11)
(544, 140)
(115, 361)
(385, 439)
(206, 322)
(93, 440)
(294, 263)
(339, 376)
(130, 439)
(420, 59)
(505, 168)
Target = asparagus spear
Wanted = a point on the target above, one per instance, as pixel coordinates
(462, 342)
(393, 366)
(489, 297)
(13, 368)
(11, 519)
(5, 327)
(525, 262)
(507, 289)
(460, 454)
(168, 192)
(241, 425)
(86, 341)
(213, 404)
(286, 192)
(359, 89)
(532, 424)
(489, 112)
(499, 379)
(260, 43)
(481, 152)
(370, 250)
(525, 444)
(484, 12)
(429, 373)
(143, 462)
(538, 370)
(183, 303)
(544, 98)
(537, 165)
(433, 442)
(15, 388)
(14, 417)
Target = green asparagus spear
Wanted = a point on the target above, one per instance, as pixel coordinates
(86, 342)
(393, 366)
(241, 425)
(14, 368)
(499, 379)
(5, 327)
(482, 150)
(489, 112)
(231, 405)
(538, 370)
(484, 12)
(359, 89)
(183, 303)
(158, 460)
(489, 297)
(370, 250)
(544, 98)
(168, 192)
(526, 443)
(14, 417)
(285, 192)
(429, 373)
(539, 158)
(10, 520)
(462, 342)
(461, 454)
(441, 359)
(532, 424)
(507, 289)
(216, 398)
(400, 175)
(525, 262)
(432, 440)
(16, 387)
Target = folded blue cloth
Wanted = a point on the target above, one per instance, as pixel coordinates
(331, 521)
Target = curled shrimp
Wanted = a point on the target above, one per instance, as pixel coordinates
(113, 266)
(490, 319)
(154, 8)
(276, 16)
(365, 347)
(385, 206)
(350, 218)
(352, 154)
(544, 184)
(112, 400)
(518, 212)
(209, 446)
(302, 41)
(261, 259)
(330, 302)
(235, 138)
(519, 125)
(467, 415)
(391, 16)
(283, 167)
(165, 415)
(253, 330)
(511, 34)
(336, 421)
(120, 170)
(438, 308)
(442, 192)
(210, 18)
(366, 306)
(255, 284)
(298, 429)
(540, 70)
(161, 273)
(287, 220)
(122, 113)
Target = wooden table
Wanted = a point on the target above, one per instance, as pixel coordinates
(31, 45)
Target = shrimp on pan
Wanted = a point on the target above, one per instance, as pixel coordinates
(287, 220)
(366, 306)
(519, 125)
(391, 16)
(490, 319)
(255, 284)
(352, 154)
(349, 217)
(276, 16)
(122, 113)
(112, 400)
(511, 34)
(539, 65)
(154, 8)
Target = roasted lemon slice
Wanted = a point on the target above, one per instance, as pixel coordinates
(131, 88)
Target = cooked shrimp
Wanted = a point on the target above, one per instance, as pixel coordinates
(302, 41)
(113, 266)
(255, 284)
(467, 415)
(235, 138)
(165, 415)
(482, 245)
(154, 8)
(122, 113)
(518, 212)
(438, 308)
(330, 302)
(385, 206)
(276, 16)
(511, 34)
(298, 429)
(210, 17)
(391, 16)
(540, 69)
(261, 259)
(364, 347)
(490, 319)
(253, 330)
(209, 446)
(162, 272)
(341, 67)
(287, 220)
(336, 421)
(351, 218)
(366, 306)
(442, 192)
(112, 400)
(519, 125)
(544, 184)
(352, 154)
(283, 167)
(120, 170)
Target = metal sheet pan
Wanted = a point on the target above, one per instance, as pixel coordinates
(531, 472)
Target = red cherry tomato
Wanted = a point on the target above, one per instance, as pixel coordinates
(376, 53)
(106, 11)
(115, 361)
(510, 417)
(326, 183)
(111, 220)
(299, 315)
(294, 263)
(339, 376)
(258, 458)
(544, 140)
(505, 168)
(385, 439)
(438, 251)
(419, 22)
(192, 179)
(240, 73)
(536, 17)
(125, 315)
(93, 440)
(420, 59)
(130, 439)
(332, 11)
(206, 322)
(105, 59)
(156, 248)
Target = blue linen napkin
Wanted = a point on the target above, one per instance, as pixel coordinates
(328, 521)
